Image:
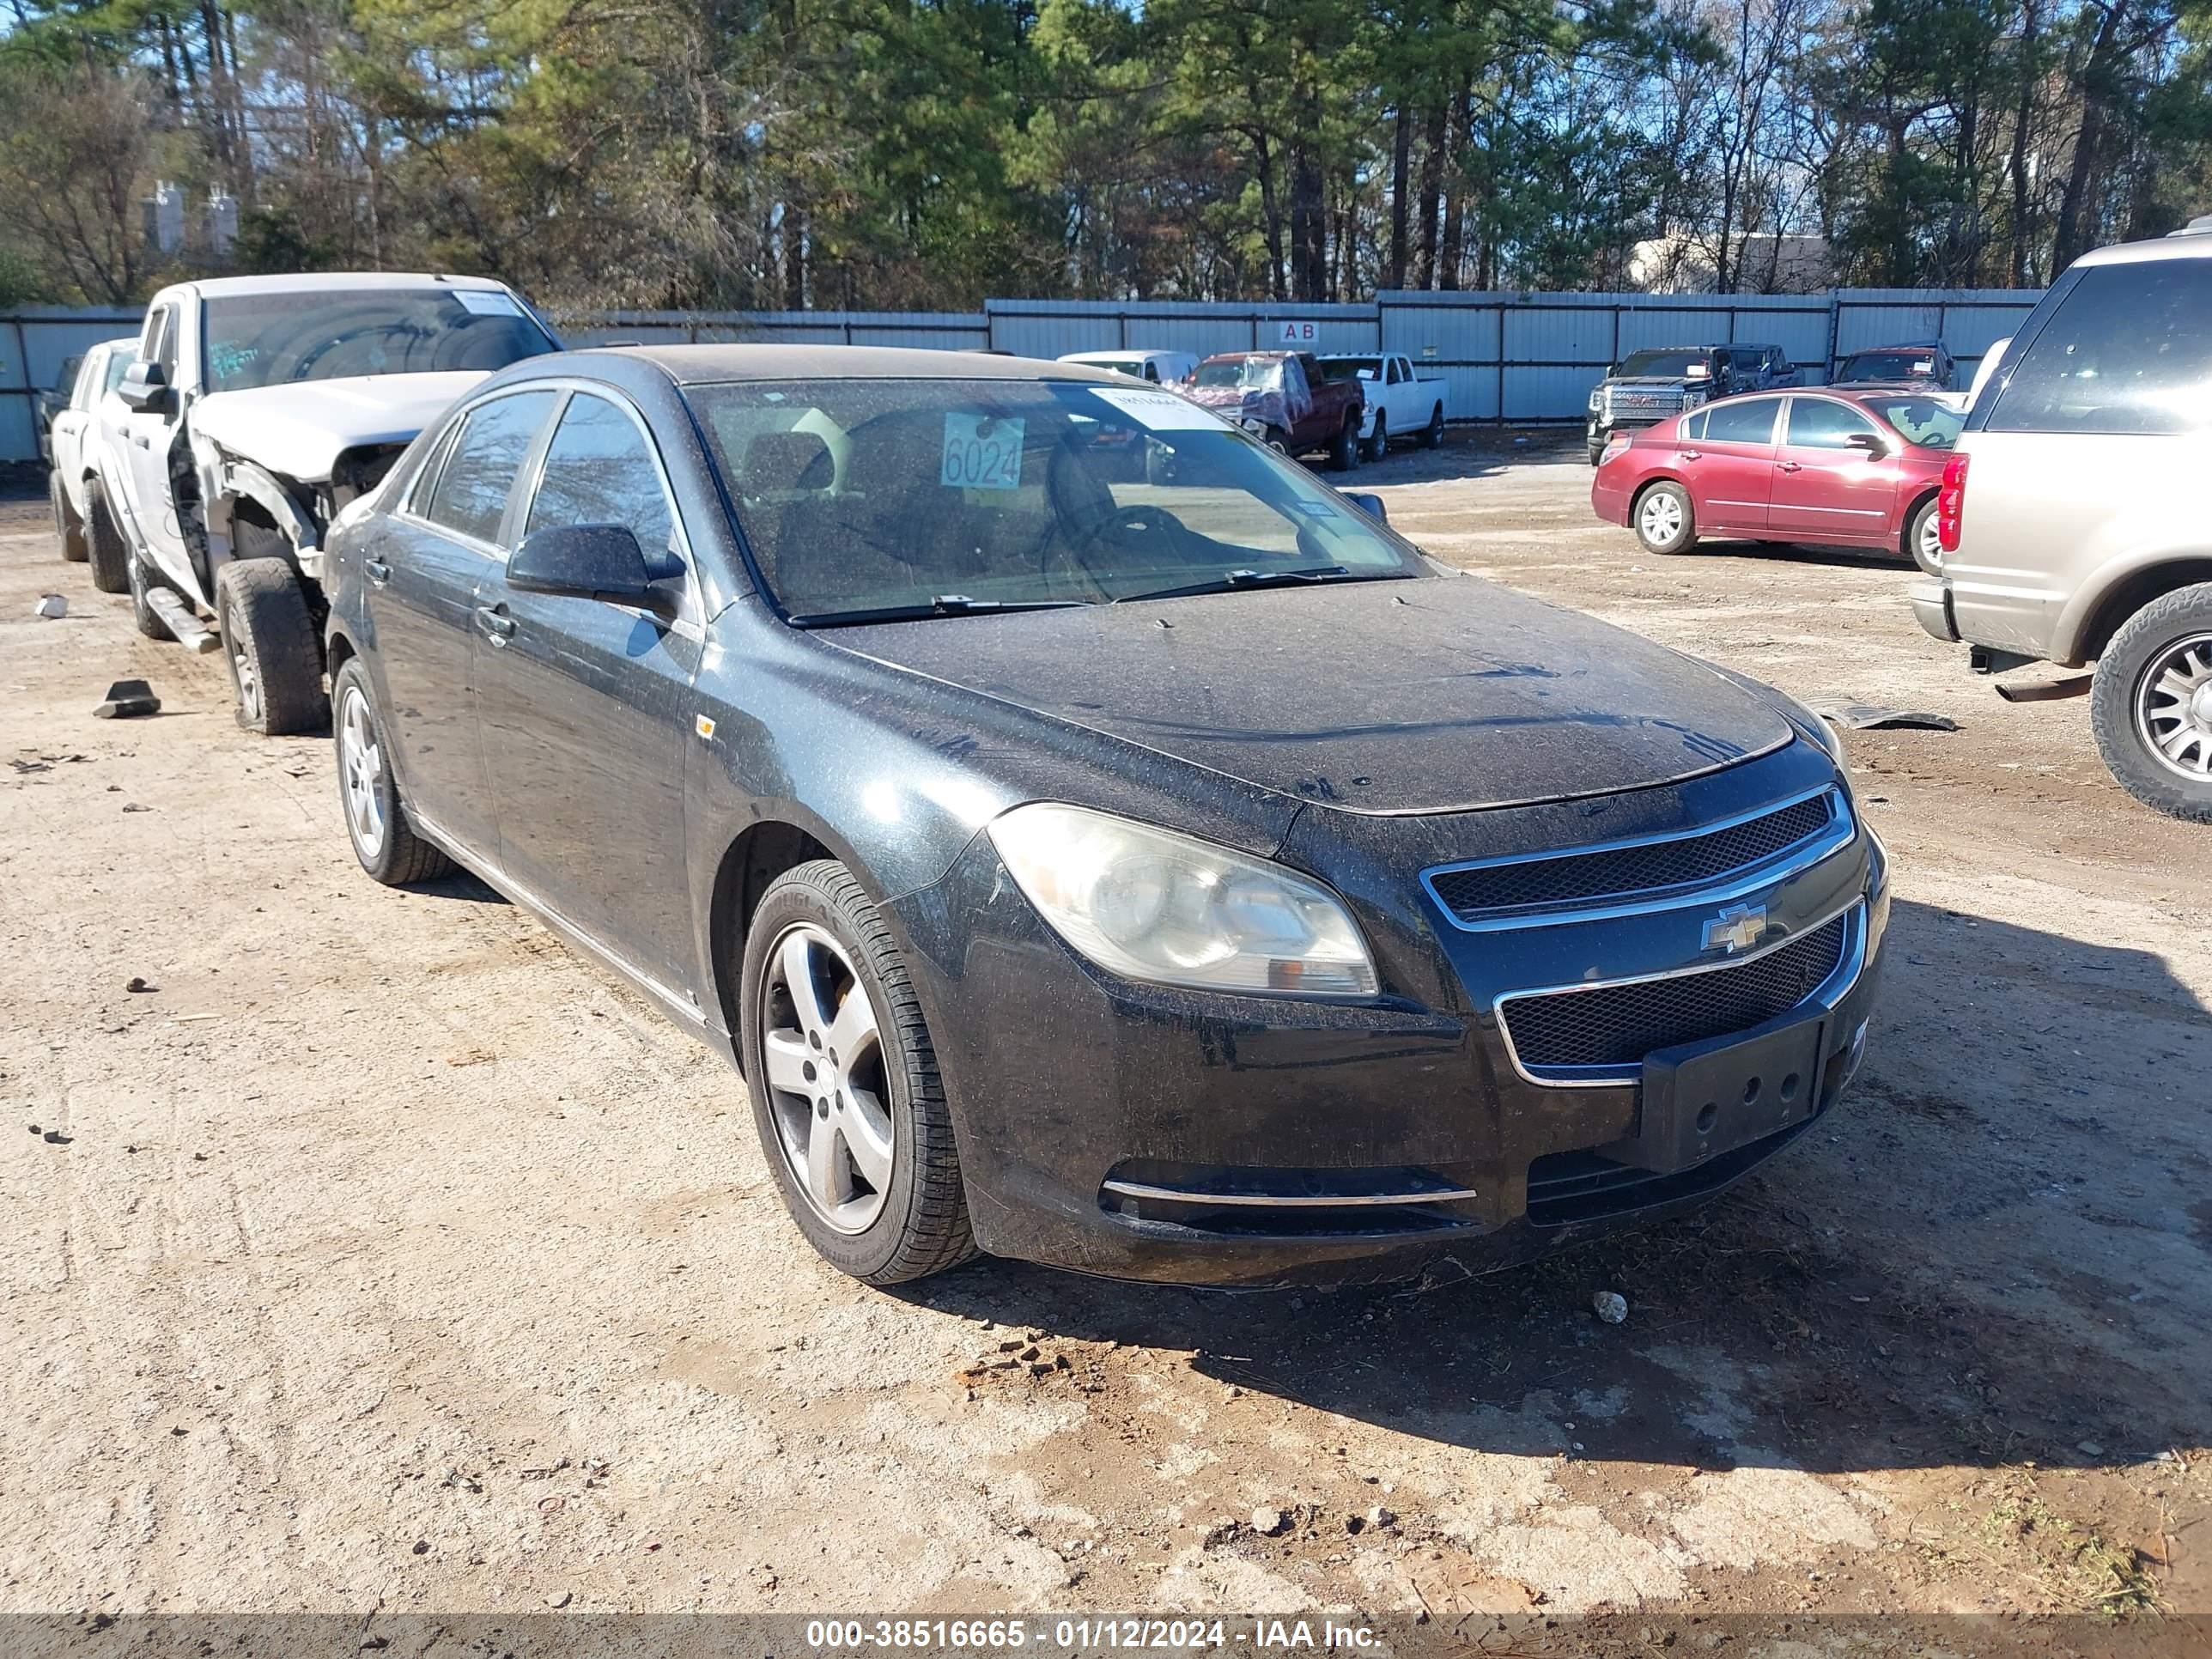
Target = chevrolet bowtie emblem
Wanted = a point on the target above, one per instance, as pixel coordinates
(1736, 929)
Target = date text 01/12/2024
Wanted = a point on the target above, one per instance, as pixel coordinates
(982, 1636)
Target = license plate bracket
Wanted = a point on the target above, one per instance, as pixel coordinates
(1703, 1099)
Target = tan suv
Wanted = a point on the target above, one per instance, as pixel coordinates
(2073, 525)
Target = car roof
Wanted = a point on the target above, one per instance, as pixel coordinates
(351, 281)
(2189, 244)
(705, 365)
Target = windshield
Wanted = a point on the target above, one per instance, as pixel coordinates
(1352, 368)
(1888, 366)
(267, 339)
(1921, 421)
(866, 497)
(1254, 373)
(1672, 365)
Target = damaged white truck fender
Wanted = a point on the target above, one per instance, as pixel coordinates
(256, 410)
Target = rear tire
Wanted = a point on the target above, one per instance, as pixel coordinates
(111, 554)
(915, 1222)
(1378, 444)
(376, 820)
(269, 641)
(2153, 688)
(1663, 519)
(1432, 435)
(1920, 544)
(67, 525)
(1344, 449)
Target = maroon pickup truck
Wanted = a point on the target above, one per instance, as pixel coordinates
(1285, 393)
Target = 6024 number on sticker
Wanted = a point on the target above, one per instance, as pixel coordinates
(981, 452)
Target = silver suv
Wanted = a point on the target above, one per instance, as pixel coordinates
(2072, 524)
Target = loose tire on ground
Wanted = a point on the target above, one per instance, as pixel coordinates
(110, 553)
(67, 525)
(376, 820)
(2151, 684)
(1663, 519)
(1920, 544)
(1378, 441)
(269, 641)
(1432, 435)
(916, 1222)
(1344, 449)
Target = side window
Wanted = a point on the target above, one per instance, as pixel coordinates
(1816, 424)
(1693, 426)
(1399, 373)
(2130, 349)
(1748, 422)
(599, 470)
(85, 379)
(118, 365)
(1152, 371)
(470, 498)
(164, 342)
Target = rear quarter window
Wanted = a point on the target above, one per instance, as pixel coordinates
(2128, 350)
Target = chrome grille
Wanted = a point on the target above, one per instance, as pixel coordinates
(1576, 879)
(1614, 1027)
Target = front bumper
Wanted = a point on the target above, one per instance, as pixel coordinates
(1144, 1132)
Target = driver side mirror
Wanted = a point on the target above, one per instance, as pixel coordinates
(1870, 442)
(146, 388)
(586, 561)
(1368, 503)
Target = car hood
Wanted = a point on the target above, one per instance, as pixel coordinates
(298, 429)
(1392, 697)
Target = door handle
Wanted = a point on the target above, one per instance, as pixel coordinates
(143, 443)
(1792, 466)
(497, 629)
(376, 571)
(1693, 454)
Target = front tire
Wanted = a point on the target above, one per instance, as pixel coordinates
(2150, 705)
(67, 525)
(269, 641)
(1378, 444)
(1596, 452)
(1921, 543)
(844, 1084)
(111, 553)
(376, 820)
(1665, 522)
(1344, 449)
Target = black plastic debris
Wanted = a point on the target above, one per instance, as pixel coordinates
(1865, 717)
(129, 700)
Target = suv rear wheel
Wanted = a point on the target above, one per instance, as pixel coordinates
(2151, 705)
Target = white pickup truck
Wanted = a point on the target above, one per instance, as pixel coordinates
(257, 408)
(73, 448)
(1400, 402)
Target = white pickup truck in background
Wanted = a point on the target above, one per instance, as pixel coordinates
(1400, 402)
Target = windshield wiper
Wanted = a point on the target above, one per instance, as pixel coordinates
(1229, 580)
(941, 604)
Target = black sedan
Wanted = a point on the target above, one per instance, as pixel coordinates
(1159, 870)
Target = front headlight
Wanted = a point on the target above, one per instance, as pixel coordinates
(1154, 905)
(1597, 396)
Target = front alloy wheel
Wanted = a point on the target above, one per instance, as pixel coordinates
(825, 1079)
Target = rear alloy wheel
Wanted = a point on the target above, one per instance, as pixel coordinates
(844, 1084)
(377, 825)
(1664, 522)
(1344, 450)
(269, 641)
(1432, 435)
(2151, 704)
(1923, 539)
(111, 554)
(1378, 442)
(67, 524)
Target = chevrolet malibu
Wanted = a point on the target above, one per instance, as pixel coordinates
(1177, 879)
(1856, 469)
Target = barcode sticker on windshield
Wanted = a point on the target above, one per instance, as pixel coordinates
(486, 302)
(1162, 411)
(1924, 366)
(981, 452)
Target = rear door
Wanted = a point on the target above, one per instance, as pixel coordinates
(423, 577)
(1729, 465)
(1827, 487)
(586, 706)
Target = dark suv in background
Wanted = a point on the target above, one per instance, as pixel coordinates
(1649, 386)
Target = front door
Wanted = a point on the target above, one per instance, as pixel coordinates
(424, 577)
(1829, 485)
(585, 710)
(148, 451)
(1729, 462)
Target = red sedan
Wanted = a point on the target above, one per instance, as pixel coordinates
(1834, 468)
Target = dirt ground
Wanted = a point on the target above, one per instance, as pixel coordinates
(383, 1252)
